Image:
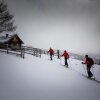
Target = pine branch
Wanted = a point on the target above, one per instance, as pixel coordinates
(6, 19)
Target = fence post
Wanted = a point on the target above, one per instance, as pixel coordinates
(40, 52)
(7, 49)
(58, 54)
(23, 52)
(34, 51)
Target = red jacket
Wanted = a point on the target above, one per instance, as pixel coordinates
(89, 61)
(51, 51)
(65, 54)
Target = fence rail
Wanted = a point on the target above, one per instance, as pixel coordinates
(21, 51)
(26, 50)
(32, 51)
(8, 50)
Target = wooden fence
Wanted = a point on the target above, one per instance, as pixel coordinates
(26, 50)
(8, 50)
(32, 51)
(21, 51)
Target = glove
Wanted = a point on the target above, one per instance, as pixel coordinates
(82, 62)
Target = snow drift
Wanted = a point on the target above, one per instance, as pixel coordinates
(35, 78)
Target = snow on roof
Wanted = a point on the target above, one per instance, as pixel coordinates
(4, 39)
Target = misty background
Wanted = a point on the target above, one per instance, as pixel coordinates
(73, 25)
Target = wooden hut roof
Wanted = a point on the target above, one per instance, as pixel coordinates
(4, 39)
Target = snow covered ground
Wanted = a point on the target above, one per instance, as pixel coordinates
(35, 78)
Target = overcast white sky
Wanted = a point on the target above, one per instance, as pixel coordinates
(73, 25)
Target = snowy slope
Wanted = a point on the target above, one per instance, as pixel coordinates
(41, 79)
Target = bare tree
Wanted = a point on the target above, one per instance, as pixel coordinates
(6, 19)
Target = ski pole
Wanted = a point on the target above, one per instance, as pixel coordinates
(93, 71)
(84, 70)
(69, 63)
(60, 60)
(48, 56)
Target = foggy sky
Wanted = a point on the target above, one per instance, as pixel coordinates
(73, 25)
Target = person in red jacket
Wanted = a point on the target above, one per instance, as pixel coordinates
(66, 56)
(51, 51)
(89, 62)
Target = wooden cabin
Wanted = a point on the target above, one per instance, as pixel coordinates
(12, 41)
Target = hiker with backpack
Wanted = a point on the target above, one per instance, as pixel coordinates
(51, 51)
(66, 56)
(89, 63)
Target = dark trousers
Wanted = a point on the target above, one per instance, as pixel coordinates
(66, 63)
(89, 71)
(51, 56)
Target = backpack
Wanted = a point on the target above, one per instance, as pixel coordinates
(91, 61)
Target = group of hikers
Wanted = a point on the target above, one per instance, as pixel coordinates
(88, 61)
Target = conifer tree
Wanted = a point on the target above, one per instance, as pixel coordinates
(6, 19)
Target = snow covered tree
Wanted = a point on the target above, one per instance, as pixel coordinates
(6, 19)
